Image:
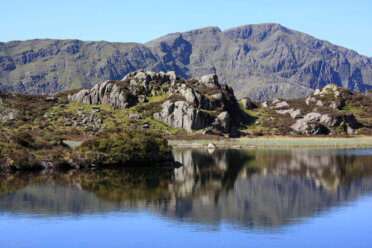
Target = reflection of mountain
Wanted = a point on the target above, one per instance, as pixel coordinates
(91, 191)
(249, 188)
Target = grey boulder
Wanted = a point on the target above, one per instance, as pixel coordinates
(106, 93)
(182, 114)
(248, 104)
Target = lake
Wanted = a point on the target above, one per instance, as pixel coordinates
(218, 198)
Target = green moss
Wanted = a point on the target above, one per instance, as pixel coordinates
(160, 126)
(157, 98)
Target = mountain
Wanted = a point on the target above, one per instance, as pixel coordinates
(49, 66)
(260, 61)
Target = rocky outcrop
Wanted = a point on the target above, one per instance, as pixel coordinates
(182, 114)
(368, 93)
(328, 89)
(206, 104)
(326, 116)
(309, 124)
(316, 123)
(193, 104)
(248, 103)
(107, 93)
(133, 88)
(294, 113)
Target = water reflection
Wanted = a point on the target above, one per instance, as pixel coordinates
(249, 188)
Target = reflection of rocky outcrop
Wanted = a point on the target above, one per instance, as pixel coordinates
(215, 169)
(266, 200)
(326, 168)
(248, 188)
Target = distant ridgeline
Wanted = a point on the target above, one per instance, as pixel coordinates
(262, 62)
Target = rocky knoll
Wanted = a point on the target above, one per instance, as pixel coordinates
(323, 112)
(193, 104)
(263, 62)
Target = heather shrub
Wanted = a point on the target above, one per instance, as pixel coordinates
(133, 147)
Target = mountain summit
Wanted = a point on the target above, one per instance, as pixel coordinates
(260, 61)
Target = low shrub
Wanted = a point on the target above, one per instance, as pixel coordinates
(133, 147)
(24, 139)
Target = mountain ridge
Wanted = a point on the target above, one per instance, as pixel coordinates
(261, 61)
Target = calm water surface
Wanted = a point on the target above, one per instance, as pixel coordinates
(222, 198)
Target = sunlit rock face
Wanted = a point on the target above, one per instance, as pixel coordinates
(249, 188)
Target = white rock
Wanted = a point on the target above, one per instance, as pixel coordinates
(209, 80)
(325, 119)
(319, 103)
(281, 105)
(349, 130)
(310, 99)
(329, 88)
(313, 116)
(293, 113)
(275, 101)
(212, 146)
(172, 75)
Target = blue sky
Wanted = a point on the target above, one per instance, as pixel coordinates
(343, 22)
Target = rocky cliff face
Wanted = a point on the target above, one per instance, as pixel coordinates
(193, 104)
(263, 61)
